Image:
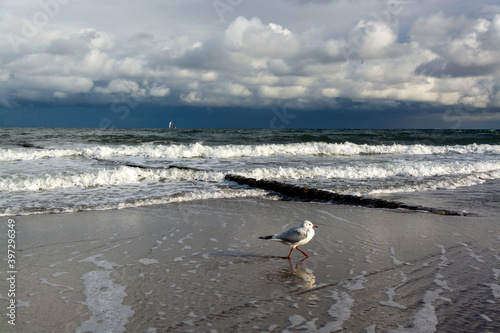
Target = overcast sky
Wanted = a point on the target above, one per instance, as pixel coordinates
(246, 63)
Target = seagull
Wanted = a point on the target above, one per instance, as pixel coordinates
(295, 236)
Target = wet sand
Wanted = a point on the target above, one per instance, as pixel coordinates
(200, 267)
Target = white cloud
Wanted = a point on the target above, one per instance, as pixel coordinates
(209, 76)
(159, 91)
(282, 92)
(130, 67)
(330, 92)
(464, 47)
(99, 40)
(97, 64)
(232, 89)
(190, 98)
(254, 38)
(373, 38)
(235, 32)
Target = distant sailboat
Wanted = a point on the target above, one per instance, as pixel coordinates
(170, 124)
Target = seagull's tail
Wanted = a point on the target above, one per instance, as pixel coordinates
(266, 237)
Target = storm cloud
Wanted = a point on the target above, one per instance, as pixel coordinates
(252, 54)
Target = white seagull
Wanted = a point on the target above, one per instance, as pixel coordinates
(295, 236)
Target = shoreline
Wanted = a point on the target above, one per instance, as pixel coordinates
(199, 266)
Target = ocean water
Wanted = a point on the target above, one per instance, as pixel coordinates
(46, 170)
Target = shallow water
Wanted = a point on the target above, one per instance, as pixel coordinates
(200, 267)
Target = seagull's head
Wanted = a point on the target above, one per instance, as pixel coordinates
(308, 224)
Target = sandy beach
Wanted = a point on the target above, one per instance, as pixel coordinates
(200, 267)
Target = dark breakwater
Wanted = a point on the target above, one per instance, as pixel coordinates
(311, 194)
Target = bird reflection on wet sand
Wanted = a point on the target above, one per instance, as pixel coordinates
(297, 274)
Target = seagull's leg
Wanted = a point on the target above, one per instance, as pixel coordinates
(301, 251)
(289, 254)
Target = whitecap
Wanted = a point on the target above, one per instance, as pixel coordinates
(200, 150)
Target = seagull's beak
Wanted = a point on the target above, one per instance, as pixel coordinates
(315, 226)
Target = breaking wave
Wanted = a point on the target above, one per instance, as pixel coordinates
(416, 169)
(124, 175)
(200, 150)
(110, 177)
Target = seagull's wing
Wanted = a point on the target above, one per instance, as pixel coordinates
(293, 235)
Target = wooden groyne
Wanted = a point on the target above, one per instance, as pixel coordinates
(311, 194)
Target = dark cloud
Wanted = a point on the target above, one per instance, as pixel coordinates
(305, 54)
(440, 68)
(69, 46)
